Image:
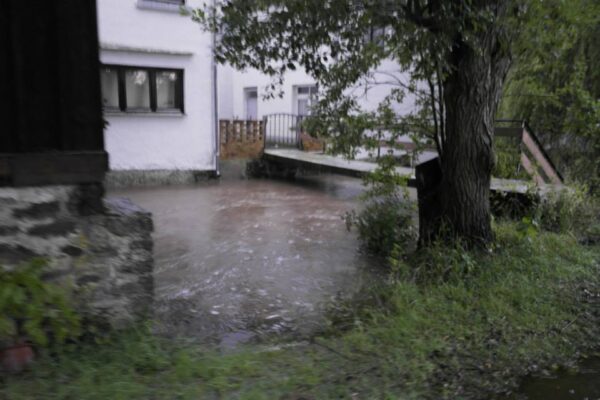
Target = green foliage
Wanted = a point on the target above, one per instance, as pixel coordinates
(343, 43)
(384, 223)
(438, 262)
(467, 332)
(508, 160)
(386, 220)
(555, 84)
(32, 309)
(571, 211)
(568, 210)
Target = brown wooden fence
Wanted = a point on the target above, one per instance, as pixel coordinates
(240, 138)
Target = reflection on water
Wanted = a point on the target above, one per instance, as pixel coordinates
(583, 385)
(239, 259)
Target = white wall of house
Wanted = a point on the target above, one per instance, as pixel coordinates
(132, 34)
(385, 77)
(240, 81)
(225, 85)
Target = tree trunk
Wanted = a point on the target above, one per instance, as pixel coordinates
(472, 90)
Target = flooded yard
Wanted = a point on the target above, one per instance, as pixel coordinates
(242, 259)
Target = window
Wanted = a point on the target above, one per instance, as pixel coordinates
(251, 98)
(164, 5)
(141, 89)
(305, 95)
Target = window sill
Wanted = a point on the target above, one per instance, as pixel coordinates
(144, 114)
(159, 6)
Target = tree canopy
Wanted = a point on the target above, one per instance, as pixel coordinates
(342, 42)
(555, 83)
(458, 51)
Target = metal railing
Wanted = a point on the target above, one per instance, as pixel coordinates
(282, 130)
(285, 131)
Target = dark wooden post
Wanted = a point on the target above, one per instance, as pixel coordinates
(51, 126)
(428, 179)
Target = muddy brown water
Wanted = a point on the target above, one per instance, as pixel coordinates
(236, 260)
(242, 260)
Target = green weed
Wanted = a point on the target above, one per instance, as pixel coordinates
(449, 324)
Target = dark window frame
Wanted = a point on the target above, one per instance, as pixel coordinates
(152, 71)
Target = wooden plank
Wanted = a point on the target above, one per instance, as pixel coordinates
(8, 141)
(77, 67)
(540, 158)
(508, 132)
(49, 81)
(526, 163)
(64, 168)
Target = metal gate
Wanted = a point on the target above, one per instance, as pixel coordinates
(282, 130)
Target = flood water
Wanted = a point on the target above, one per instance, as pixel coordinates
(237, 260)
(244, 260)
(582, 385)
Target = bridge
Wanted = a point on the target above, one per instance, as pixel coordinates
(284, 140)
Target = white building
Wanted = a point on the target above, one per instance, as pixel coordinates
(242, 93)
(245, 96)
(162, 98)
(157, 84)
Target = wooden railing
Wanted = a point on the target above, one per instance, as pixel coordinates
(240, 138)
(534, 158)
(244, 131)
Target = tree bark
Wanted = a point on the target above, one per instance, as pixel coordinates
(472, 89)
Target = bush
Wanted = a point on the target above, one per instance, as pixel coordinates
(33, 309)
(508, 159)
(496, 316)
(384, 223)
(570, 211)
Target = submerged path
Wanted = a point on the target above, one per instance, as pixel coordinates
(236, 260)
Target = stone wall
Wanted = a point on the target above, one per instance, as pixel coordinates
(128, 178)
(100, 247)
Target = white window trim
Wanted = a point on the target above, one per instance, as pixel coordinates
(295, 94)
(246, 90)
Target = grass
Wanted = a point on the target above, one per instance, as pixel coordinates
(450, 324)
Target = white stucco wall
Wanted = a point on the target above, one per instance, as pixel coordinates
(368, 99)
(225, 84)
(153, 141)
(242, 80)
(370, 96)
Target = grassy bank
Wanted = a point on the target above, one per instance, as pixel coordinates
(450, 324)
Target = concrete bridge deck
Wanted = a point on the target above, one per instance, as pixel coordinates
(329, 163)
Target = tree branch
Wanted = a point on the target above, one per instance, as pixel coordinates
(441, 104)
(436, 135)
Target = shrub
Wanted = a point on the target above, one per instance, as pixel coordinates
(508, 159)
(33, 309)
(570, 211)
(383, 223)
